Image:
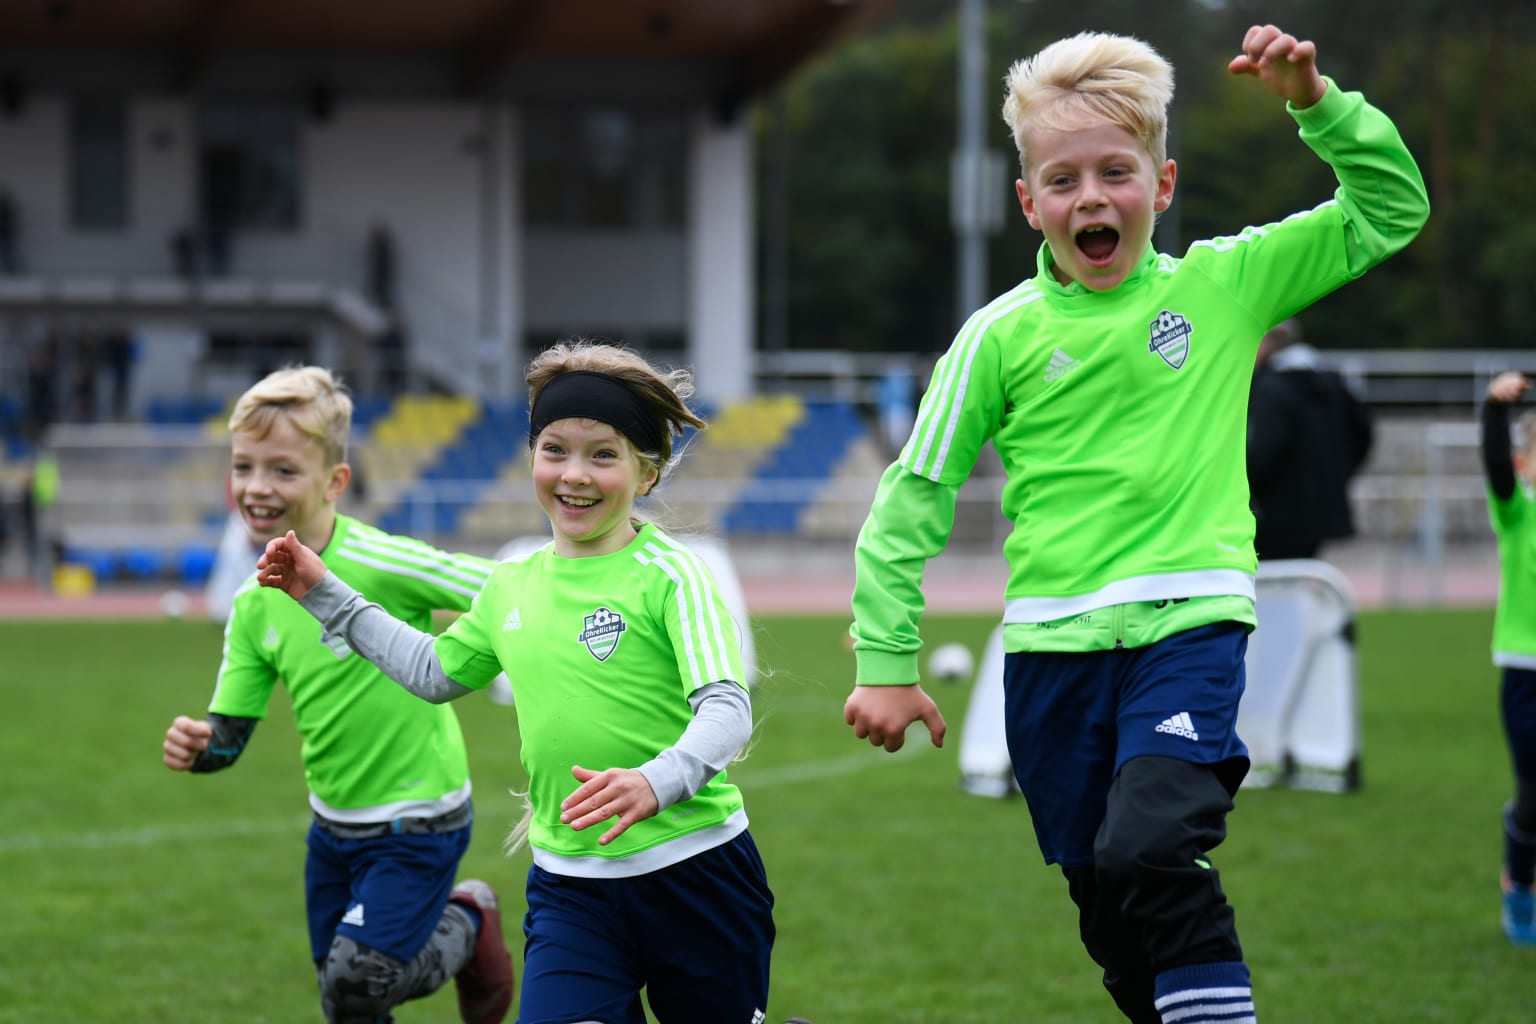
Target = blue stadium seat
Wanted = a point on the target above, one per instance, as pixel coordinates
(194, 564)
(366, 410)
(143, 564)
(103, 564)
(498, 434)
(183, 409)
(811, 450)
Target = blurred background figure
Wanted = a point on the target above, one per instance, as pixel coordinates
(10, 263)
(897, 401)
(119, 350)
(234, 561)
(39, 520)
(1307, 436)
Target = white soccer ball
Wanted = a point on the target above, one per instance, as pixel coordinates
(951, 663)
(174, 603)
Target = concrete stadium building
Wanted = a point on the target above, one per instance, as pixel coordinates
(419, 194)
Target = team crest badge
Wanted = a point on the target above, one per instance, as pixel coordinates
(1170, 338)
(600, 631)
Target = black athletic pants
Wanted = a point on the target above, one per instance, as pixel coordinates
(1151, 901)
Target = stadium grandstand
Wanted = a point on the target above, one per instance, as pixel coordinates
(795, 464)
(195, 194)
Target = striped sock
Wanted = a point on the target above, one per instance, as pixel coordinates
(1206, 994)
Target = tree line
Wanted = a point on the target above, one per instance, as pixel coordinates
(855, 153)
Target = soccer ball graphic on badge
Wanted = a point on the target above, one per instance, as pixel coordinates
(951, 663)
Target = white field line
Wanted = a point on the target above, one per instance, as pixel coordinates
(151, 835)
(814, 771)
(154, 835)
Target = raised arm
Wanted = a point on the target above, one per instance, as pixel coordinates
(1498, 462)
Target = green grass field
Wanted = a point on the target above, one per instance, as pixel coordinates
(134, 894)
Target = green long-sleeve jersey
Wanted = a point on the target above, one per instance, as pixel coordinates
(603, 653)
(371, 751)
(1514, 628)
(1120, 417)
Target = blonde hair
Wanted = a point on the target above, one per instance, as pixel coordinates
(664, 392)
(313, 400)
(1092, 76)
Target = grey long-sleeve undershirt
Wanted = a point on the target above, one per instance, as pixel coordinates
(722, 710)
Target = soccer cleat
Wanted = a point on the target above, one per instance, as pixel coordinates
(1518, 915)
(486, 982)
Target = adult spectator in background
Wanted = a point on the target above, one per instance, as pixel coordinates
(119, 351)
(42, 401)
(897, 395)
(10, 262)
(39, 517)
(1308, 435)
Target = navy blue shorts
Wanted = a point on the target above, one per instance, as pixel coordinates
(697, 936)
(386, 893)
(1517, 704)
(1074, 719)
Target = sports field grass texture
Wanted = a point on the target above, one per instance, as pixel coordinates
(134, 894)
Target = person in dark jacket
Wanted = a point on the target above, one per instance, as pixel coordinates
(1307, 436)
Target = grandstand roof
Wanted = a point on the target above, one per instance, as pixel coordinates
(761, 40)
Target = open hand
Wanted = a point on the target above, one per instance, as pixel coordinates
(621, 792)
(1287, 66)
(289, 566)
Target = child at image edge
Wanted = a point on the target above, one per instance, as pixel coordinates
(1114, 386)
(388, 775)
(1512, 510)
(628, 675)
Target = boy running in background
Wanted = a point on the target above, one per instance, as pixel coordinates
(628, 675)
(1114, 385)
(388, 775)
(1512, 510)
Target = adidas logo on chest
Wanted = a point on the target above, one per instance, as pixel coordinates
(1061, 364)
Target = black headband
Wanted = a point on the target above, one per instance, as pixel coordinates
(583, 394)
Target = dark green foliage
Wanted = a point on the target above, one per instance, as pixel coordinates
(869, 258)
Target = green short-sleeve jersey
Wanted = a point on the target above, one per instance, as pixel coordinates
(371, 750)
(1514, 624)
(1120, 418)
(602, 653)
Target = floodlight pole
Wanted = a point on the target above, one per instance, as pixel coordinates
(975, 205)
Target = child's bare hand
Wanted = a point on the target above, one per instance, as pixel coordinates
(1287, 66)
(1508, 386)
(881, 714)
(184, 740)
(616, 792)
(289, 566)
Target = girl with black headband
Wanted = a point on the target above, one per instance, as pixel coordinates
(631, 701)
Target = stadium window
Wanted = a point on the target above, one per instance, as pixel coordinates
(98, 135)
(605, 167)
(248, 164)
